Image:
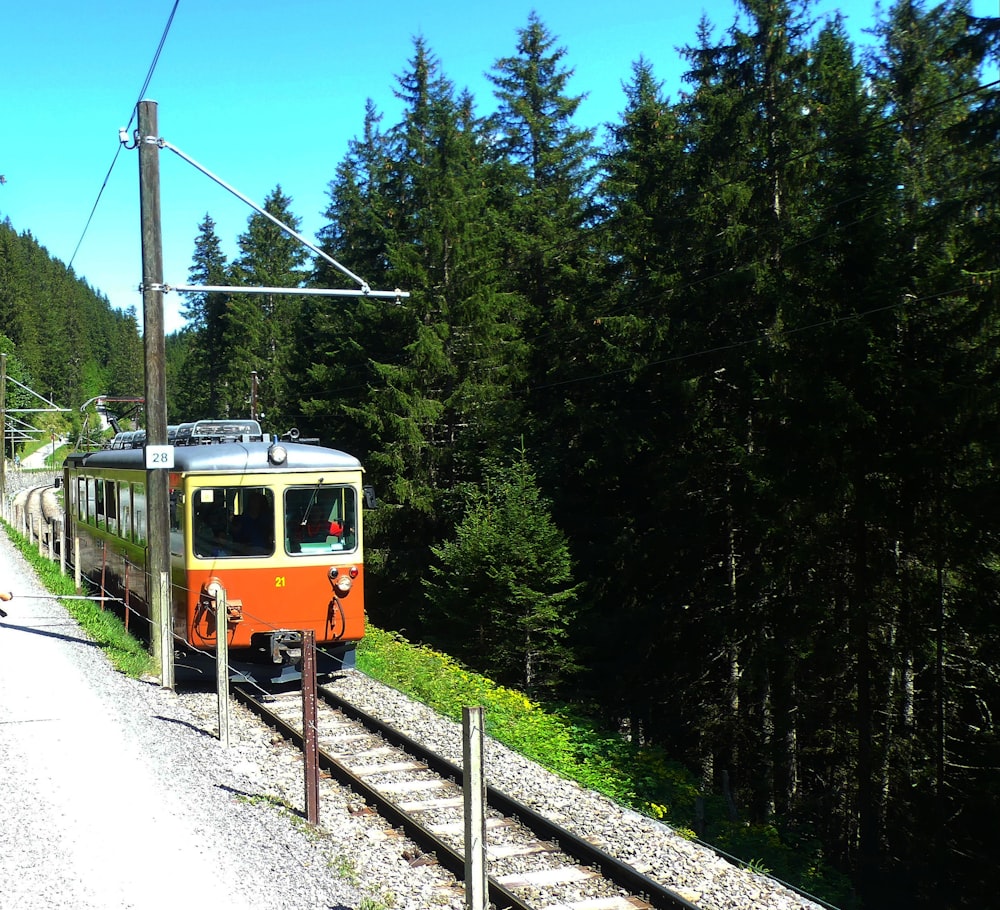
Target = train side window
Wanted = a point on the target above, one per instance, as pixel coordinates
(99, 502)
(139, 512)
(177, 522)
(111, 505)
(176, 509)
(81, 498)
(125, 511)
(91, 501)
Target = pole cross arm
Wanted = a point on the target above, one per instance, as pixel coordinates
(314, 292)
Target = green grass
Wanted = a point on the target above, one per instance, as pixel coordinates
(572, 744)
(126, 654)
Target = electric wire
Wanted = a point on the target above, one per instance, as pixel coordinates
(114, 160)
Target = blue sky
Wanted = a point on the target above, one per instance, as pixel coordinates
(262, 93)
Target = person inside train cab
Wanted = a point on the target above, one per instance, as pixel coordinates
(210, 530)
(251, 529)
(316, 527)
(319, 526)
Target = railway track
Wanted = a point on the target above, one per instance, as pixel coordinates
(35, 501)
(534, 864)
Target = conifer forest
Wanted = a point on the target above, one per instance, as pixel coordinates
(691, 418)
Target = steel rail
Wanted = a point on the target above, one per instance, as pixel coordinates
(579, 849)
(446, 856)
(582, 851)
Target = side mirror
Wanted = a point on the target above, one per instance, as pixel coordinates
(369, 493)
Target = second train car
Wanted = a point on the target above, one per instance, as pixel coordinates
(278, 525)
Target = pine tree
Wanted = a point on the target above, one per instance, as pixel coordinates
(741, 121)
(339, 335)
(546, 166)
(126, 358)
(259, 334)
(942, 351)
(503, 590)
(203, 373)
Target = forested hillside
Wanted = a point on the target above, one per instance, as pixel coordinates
(697, 423)
(62, 337)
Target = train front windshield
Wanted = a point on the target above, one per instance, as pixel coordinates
(233, 521)
(320, 519)
(241, 521)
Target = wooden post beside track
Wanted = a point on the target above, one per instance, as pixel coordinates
(474, 791)
(166, 615)
(310, 720)
(128, 607)
(222, 662)
(38, 531)
(104, 570)
(60, 524)
(77, 580)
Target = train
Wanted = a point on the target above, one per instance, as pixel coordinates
(278, 523)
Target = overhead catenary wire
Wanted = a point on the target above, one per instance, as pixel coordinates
(114, 160)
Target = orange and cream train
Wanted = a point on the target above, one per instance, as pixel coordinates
(278, 525)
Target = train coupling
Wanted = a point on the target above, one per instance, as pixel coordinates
(283, 647)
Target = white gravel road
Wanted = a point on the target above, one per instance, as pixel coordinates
(113, 795)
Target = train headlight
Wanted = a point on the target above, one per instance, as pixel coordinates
(342, 583)
(277, 454)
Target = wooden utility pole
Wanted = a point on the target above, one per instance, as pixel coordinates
(157, 479)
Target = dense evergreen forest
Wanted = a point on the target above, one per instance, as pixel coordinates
(693, 420)
(698, 423)
(63, 339)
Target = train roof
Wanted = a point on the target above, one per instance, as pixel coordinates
(224, 458)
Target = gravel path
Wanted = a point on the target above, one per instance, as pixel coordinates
(115, 795)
